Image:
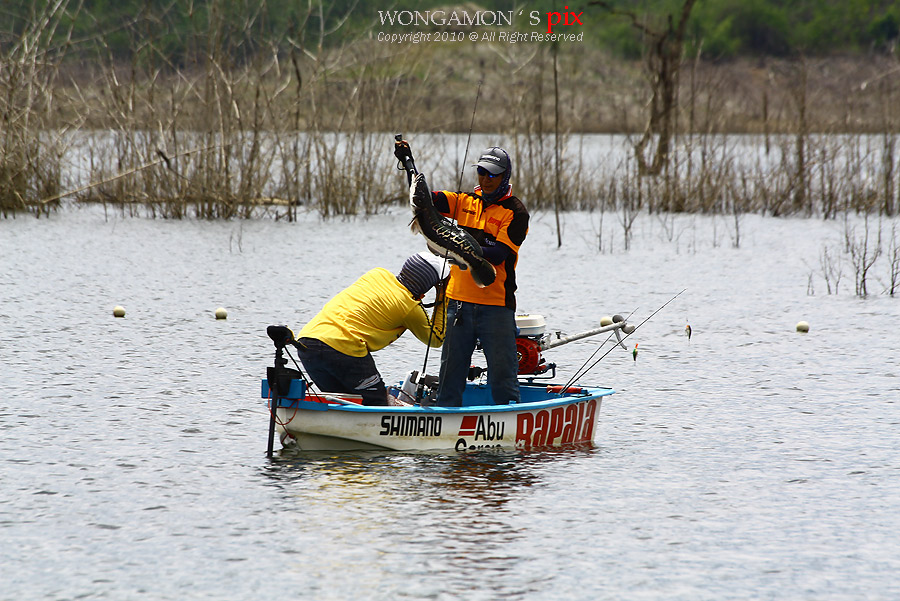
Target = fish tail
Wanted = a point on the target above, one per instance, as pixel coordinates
(483, 273)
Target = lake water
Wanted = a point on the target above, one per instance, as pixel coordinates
(747, 462)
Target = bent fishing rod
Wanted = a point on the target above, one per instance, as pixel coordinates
(462, 168)
(407, 163)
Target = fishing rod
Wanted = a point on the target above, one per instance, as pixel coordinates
(462, 169)
(163, 159)
(405, 161)
(619, 323)
(582, 370)
(403, 152)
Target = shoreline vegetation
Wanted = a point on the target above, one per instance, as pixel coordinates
(235, 132)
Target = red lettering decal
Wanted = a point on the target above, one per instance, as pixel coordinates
(568, 434)
(556, 425)
(467, 427)
(523, 430)
(556, 18)
(540, 428)
(587, 430)
(578, 422)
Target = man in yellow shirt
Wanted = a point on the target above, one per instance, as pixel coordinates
(336, 345)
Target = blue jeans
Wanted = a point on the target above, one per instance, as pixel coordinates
(495, 327)
(333, 371)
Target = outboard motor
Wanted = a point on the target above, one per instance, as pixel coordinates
(531, 330)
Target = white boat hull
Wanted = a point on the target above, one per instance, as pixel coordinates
(542, 419)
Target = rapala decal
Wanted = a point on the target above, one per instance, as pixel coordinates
(558, 426)
(410, 425)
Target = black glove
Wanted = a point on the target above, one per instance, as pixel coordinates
(402, 151)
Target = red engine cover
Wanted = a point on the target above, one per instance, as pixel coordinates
(529, 352)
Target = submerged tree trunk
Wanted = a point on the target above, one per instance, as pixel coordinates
(663, 62)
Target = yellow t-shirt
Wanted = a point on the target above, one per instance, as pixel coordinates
(373, 312)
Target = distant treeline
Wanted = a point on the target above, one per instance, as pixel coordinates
(720, 29)
(229, 108)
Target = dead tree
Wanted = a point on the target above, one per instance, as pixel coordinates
(663, 61)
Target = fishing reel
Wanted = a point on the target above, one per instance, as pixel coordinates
(417, 389)
(405, 161)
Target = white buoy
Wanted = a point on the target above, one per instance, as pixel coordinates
(802, 326)
(606, 320)
(118, 311)
(221, 313)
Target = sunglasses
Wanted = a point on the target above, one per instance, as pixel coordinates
(484, 172)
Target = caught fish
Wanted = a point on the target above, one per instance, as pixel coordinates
(446, 239)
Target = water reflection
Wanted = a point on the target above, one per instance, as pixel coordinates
(422, 513)
(490, 477)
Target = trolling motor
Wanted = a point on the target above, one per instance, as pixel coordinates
(279, 376)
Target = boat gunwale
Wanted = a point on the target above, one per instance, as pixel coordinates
(586, 393)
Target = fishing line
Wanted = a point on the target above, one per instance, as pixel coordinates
(625, 337)
(462, 170)
(310, 385)
(431, 320)
(579, 372)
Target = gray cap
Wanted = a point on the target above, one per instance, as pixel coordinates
(494, 159)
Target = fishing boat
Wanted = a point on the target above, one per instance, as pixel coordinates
(547, 414)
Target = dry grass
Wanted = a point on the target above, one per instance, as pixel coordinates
(223, 140)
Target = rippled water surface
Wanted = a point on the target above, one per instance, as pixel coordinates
(749, 462)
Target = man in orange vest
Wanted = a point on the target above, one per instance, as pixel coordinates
(499, 223)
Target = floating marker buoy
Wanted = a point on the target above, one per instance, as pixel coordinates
(802, 326)
(221, 313)
(118, 311)
(687, 330)
(634, 352)
(606, 320)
